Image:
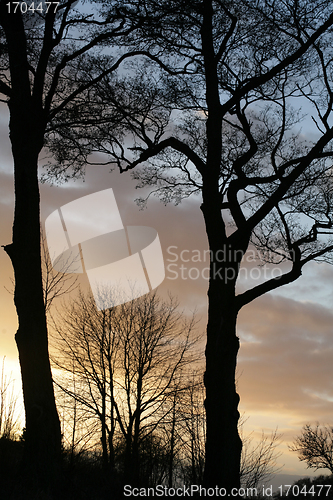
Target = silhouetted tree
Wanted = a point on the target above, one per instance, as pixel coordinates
(78, 428)
(315, 446)
(192, 432)
(56, 284)
(38, 81)
(258, 461)
(217, 110)
(128, 363)
(8, 406)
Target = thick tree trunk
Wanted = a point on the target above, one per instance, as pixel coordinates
(128, 459)
(27, 128)
(223, 444)
(43, 434)
(111, 451)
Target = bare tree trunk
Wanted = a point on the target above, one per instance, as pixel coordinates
(172, 444)
(112, 429)
(111, 450)
(43, 434)
(105, 454)
(128, 459)
(72, 448)
(137, 422)
(223, 444)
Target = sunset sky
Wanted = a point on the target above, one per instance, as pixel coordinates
(285, 361)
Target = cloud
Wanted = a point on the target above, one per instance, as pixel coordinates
(285, 360)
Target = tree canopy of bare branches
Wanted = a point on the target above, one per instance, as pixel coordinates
(315, 446)
(129, 363)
